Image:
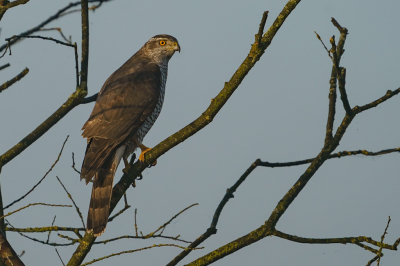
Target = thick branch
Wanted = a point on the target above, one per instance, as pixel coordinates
(4, 8)
(74, 100)
(7, 253)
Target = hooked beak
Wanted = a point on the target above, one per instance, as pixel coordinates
(177, 47)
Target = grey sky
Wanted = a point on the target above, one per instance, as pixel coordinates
(278, 114)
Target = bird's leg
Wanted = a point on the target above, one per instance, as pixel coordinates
(127, 165)
(144, 150)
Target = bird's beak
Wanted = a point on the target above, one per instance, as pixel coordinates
(177, 47)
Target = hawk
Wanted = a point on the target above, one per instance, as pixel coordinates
(126, 108)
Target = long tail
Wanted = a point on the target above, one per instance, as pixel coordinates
(99, 207)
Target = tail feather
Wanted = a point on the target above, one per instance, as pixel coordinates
(99, 208)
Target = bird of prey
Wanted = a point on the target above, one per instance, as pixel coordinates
(126, 108)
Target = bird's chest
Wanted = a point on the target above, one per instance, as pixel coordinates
(148, 123)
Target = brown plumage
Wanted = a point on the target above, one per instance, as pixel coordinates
(126, 108)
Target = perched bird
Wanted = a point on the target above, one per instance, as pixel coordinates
(126, 108)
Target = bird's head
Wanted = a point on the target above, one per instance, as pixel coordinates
(162, 47)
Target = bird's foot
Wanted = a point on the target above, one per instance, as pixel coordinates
(127, 166)
(144, 150)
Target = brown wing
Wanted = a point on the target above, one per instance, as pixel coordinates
(127, 98)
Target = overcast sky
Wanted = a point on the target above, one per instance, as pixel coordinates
(278, 114)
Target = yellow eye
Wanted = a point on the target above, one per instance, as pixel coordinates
(162, 43)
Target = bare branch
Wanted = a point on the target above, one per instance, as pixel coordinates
(135, 250)
(334, 155)
(7, 253)
(119, 213)
(141, 237)
(8, 5)
(44, 229)
(73, 164)
(52, 224)
(47, 21)
(59, 257)
(4, 66)
(262, 26)
(389, 94)
(34, 204)
(344, 240)
(60, 31)
(70, 197)
(380, 254)
(213, 228)
(13, 80)
(39, 37)
(51, 168)
(319, 38)
(85, 44)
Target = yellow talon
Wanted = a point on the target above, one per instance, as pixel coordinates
(144, 150)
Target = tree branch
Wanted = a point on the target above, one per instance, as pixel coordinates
(4, 8)
(40, 181)
(47, 21)
(13, 80)
(334, 155)
(269, 227)
(7, 253)
(343, 240)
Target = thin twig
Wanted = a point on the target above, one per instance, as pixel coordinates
(44, 229)
(340, 75)
(176, 215)
(382, 238)
(34, 204)
(7, 84)
(60, 31)
(118, 213)
(389, 94)
(59, 257)
(47, 21)
(176, 238)
(51, 168)
(135, 250)
(372, 260)
(73, 164)
(4, 66)
(136, 227)
(262, 26)
(334, 155)
(39, 37)
(37, 240)
(70, 197)
(319, 38)
(52, 224)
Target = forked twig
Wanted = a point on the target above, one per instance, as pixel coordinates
(51, 168)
